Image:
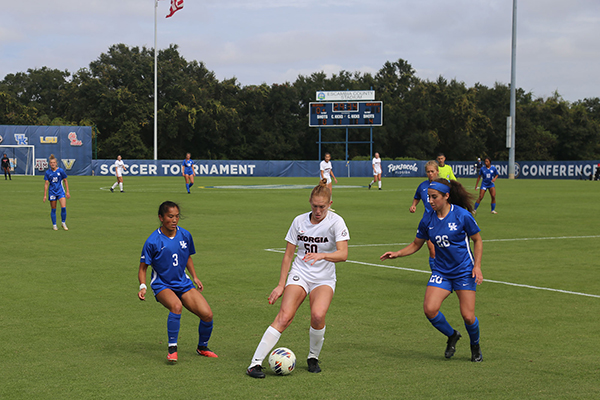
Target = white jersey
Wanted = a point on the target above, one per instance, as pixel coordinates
(326, 168)
(376, 166)
(119, 166)
(319, 238)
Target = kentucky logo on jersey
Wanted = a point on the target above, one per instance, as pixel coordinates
(452, 226)
(21, 139)
(183, 244)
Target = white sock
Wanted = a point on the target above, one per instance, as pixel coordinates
(372, 182)
(121, 186)
(379, 182)
(317, 337)
(115, 185)
(268, 341)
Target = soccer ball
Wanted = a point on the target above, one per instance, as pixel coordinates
(282, 361)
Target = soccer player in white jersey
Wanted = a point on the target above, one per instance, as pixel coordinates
(455, 268)
(376, 171)
(327, 171)
(169, 250)
(321, 238)
(120, 167)
(54, 191)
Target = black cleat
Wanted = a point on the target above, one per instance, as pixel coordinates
(369, 186)
(112, 190)
(313, 365)
(451, 344)
(256, 371)
(476, 355)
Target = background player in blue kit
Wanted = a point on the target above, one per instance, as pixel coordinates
(188, 171)
(54, 191)
(489, 174)
(169, 250)
(431, 169)
(450, 227)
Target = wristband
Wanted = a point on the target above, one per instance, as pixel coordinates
(143, 286)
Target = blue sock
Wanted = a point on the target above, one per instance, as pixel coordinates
(431, 262)
(440, 323)
(173, 323)
(493, 206)
(204, 332)
(63, 214)
(53, 215)
(473, 331)
(191, 184)
(187, 186)
(476, 205)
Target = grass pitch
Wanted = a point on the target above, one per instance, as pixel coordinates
(71, 325)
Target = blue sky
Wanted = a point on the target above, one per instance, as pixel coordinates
(267, 41)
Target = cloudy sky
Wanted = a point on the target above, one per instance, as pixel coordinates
(268, 41)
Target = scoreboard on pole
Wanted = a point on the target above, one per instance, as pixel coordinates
(345, 114)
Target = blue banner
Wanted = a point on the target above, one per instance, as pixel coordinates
(71, 145)
(342, 169)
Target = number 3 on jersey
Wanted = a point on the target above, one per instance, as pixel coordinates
(175, 260)
(442, 241)
(311, 248)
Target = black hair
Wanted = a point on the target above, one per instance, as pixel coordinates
(166, 206)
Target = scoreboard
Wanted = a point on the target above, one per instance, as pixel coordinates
(346, 114)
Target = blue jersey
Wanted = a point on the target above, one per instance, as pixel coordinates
(450, 235)
(188, 167)
(488, 174)
(168, 257)
(421, 194)
(55, 188)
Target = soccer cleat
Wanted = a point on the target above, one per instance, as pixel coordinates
(54, 227)
(65, 226)
(206, 352)
(122, 191)
(476, 355)
(494, 212)
(369, 186)
(313, 365)
(451, 344)
(256, 371)
(112, 190)
(379, 188)
(172, 356)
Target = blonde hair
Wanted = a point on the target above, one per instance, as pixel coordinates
(51, 157)
(321, 190)
(432, 163)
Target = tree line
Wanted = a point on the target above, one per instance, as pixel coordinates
(215, 119)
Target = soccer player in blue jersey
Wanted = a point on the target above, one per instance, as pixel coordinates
(431, 169)
(169, 250)
(489, 174)
(54, 191)
(188, 171)
(455, 268)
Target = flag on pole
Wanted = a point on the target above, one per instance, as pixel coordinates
(176, 5)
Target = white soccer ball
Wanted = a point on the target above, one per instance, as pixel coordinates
(282, 361)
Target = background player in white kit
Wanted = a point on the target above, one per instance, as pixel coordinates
(322, 240)
(327, 171)
(120, 167)
(376, 171)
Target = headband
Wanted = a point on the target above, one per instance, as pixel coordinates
(440, 187)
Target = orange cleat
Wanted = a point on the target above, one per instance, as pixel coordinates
(206, 352)
(172, 356)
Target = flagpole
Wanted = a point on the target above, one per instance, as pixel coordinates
(155, 85)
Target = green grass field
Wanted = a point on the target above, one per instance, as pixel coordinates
(71, 326)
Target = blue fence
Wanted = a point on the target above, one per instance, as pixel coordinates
(523, 170)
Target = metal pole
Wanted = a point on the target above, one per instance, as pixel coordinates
(155, 85)
(513, 96)
(319, 144)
